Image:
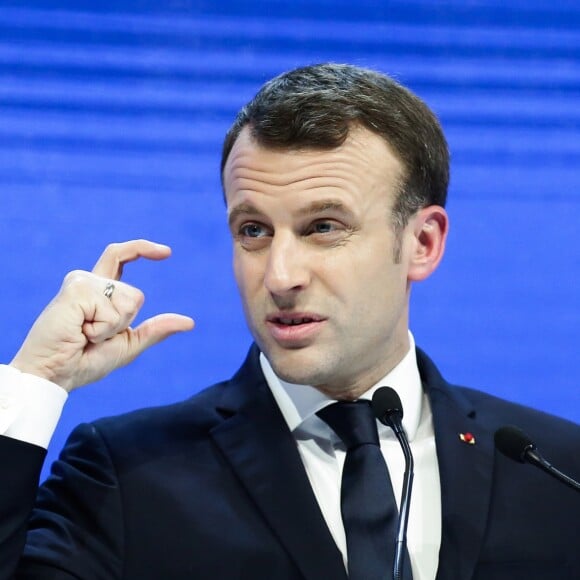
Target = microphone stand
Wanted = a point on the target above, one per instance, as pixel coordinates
(401, 541)
(389, 411)
(516, 445)
(533, 457)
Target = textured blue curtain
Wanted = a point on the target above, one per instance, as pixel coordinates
(111, 121)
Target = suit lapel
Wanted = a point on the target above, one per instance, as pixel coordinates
(466, 473)
(255, 440)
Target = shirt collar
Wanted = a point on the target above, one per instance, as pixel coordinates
(300, 403)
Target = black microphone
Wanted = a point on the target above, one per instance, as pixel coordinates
(388, 410)
(516, 445)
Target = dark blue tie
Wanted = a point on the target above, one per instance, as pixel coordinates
(369, 510)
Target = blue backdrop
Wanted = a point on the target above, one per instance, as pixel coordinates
(112, 116)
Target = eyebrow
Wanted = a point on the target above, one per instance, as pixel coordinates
(314, 208)
(324, 205)
(240, 210)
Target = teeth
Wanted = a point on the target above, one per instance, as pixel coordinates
(293, 321)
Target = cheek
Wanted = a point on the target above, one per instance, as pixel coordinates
(246, 273)
(239, 273)
(375, 283)
(364, 265)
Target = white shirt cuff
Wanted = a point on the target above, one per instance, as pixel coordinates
(30, 406)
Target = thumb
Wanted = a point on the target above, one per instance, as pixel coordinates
(156, 329)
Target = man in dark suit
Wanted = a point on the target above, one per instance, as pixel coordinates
(335, 180)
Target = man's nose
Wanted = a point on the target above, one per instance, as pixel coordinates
(287, 270)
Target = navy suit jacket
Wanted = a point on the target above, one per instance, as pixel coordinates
(214, 488)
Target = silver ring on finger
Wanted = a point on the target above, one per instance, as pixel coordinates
(109, 289)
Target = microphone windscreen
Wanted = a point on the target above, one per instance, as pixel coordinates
(513, 443)
(386, 402)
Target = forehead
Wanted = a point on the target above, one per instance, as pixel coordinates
(363, 163)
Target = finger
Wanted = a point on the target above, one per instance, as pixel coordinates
(108, 316)
(158, 328)
(115, 256)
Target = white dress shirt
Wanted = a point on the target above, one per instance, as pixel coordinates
(30, 407)
(323, 456)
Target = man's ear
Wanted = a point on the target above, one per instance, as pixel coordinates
(429, 230)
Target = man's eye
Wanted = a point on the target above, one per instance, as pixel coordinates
(253, 231)
(323, 227)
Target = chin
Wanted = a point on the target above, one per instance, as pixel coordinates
(298, 366)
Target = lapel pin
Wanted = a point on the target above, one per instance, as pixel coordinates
(468, 438)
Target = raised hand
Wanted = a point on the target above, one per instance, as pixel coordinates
(85, 332)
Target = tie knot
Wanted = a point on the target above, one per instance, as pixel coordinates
(354, 422)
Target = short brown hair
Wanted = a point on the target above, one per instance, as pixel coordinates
(315, 107)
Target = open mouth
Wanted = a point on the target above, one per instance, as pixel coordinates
(294, 321)
(296, 329)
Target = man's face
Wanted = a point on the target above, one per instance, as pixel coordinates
(313, 259)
